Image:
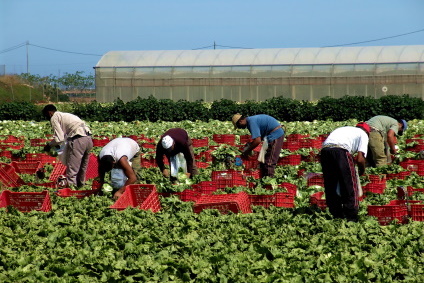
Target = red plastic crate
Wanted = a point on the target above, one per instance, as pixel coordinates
(26, 201)
(9, 177)
(228, 178)
(245, 139)
(100, 142)
(376, 178)
(201, 164)
(316, 200)
(92, 168)
(42, 157)
(67, 192)
(416, 148)
(205, 187)
(291, 145)
(293, 159)
(291, 188)
(6, 153)
(418, 140)
(236, 203)
(12, 142)
(204, 156)
(250, 163)
(148, 163)
(296, 137)
(203, 142)
(311, 143)
(226, 138)
(148, 145)
(395, 209)
(401, 175)
(417, 212)
(26, 167)
(316, 179)
(38, 142)
(277, 200)
(140, 196)
(376, 188)
(387, 213)
(58, 169)
(256, 174)
(413, 166)
(188, 195)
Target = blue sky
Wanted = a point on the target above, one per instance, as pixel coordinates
(96, 27)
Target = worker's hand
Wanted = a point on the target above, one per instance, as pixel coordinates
(47, 147)
(165, 173)
(245, 154)
(119, 193)
(188, 175)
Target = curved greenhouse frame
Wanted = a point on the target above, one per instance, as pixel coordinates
(259, 74)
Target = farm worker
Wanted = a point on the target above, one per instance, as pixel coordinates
(341, 182)
(383, 138)
(117, 156)
(177, 146)
(262, 128)
(74, 136)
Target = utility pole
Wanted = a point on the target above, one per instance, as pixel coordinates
(27, 56)
(214, 45)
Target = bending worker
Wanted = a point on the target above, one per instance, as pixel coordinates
(74, 136)
(262, 128)
(117, 157)
(383, 138)
(341, 182)
(177, 146)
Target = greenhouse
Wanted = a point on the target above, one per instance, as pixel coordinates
(259, 74)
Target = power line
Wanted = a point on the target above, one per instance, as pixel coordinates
(359, 42)
(43, 47)
(13, 48)
(64, 51)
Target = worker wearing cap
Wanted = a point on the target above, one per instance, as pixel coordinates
(117, 156)
(73, 135)
(266, 129)
(341, 182)
(176, 143)
(383, 138)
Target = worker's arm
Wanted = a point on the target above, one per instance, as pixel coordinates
(391, 141)
(129, 173)
(251, 146)
(360, 160)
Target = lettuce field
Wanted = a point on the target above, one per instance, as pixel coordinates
(84, 240)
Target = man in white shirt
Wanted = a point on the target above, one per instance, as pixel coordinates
(338, 168)
(117, 156)
(70, 131)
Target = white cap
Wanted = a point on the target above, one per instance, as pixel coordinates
(167, 142)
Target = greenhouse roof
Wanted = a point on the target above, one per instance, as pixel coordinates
(280, 56)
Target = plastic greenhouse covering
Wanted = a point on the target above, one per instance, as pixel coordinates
(259, 74)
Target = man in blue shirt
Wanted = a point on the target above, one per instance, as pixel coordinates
(262, 128)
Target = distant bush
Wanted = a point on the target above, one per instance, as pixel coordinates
(283, 109)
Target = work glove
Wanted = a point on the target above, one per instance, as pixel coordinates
(47, 147)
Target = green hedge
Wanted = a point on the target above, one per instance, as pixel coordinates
(283, 109)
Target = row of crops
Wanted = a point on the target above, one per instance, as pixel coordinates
(282, 238)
